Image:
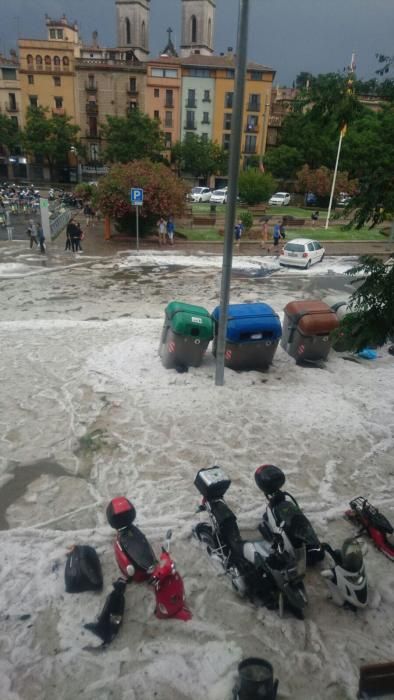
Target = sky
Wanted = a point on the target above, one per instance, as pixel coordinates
(290, 36)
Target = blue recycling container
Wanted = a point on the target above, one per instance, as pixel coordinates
(252, 337)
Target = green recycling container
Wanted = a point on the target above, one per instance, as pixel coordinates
(186, 334)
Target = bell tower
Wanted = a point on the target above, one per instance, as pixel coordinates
(198, 18)
(132, 20)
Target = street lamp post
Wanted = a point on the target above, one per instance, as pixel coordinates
(235, 154)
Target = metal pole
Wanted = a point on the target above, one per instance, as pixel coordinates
(235, 154)
(334, 179)
(138, 228)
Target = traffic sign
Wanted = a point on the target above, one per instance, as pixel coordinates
(137, 196)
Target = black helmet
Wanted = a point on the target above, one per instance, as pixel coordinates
(269, 478)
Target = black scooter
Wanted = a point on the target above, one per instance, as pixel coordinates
(260, 570)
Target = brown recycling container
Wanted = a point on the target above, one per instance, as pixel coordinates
(306, 329)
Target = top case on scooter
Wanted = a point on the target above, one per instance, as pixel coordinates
(212, 483)
(269, 478)
(120, 513)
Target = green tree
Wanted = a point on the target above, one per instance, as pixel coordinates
(371, 318)
(283, 161)
(9, 133)
(255, 187)
(164, 193)
(132, 138)
(50, 137)
(199, 157)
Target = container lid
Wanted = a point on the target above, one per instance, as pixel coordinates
(312, 316)
(193, 325)
(175, 306)
(246, 311)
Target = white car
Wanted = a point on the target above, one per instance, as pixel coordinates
(301, 252)
(219, 196)
(343, 199)
(280, 199)
(200, 194)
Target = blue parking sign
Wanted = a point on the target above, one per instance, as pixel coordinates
(137, 196)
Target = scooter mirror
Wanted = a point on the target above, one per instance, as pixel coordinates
(169, 534)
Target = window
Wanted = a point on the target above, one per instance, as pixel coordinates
(59, 102)
(230, 72)
(252, 123)
(199, 72)
(29, 59)
(52, 33)
(33, 99)
(91, 83)
(205, 118)
(316, 245)
(156, 115)
(254, 103)
(226, 142)
(12, 102)
(133, 105)
(133, 84)
(227, 122)
(143, 33)
(66, 61)
(56, 62)
(207, 96)
(48, 61)
(57, 81)
(168, 120)
(193, 23)
(164, 73)
(209, 32)
(156, 92)
(168, 139)
(228, 100)
(39, 62)
(256, 75)
(190, 123)
(169, 98)
(250, 144)
(59, 33)
(9, 73)
(191, 98)
(92, 132)
(30, 79)
(128, 31)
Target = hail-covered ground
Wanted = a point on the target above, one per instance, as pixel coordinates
(89, 413)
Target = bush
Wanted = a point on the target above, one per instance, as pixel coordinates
(85, 191)
(247, 220)
(164, 194)
(255, 187)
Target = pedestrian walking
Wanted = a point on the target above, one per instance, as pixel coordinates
(161, 225)
(89, 213)
(282, 229)
(68, 234)
(276, 237)
(32, 238)
(41, 238)
(238, 231)
(170, 230)
(78, 238)
(315, 216)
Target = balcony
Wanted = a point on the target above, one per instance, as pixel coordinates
(58, 111)
(205, 121)
(252, 129)
(12, 108)
(206, 99)
(132, 91)
(190, 126)
(254, 106)
(168, 124)
(250, 150)
(93, 135)
(169, 104)
(91, 88)
(92, 108)
(191, 104)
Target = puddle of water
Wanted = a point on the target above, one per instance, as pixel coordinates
(23, 476)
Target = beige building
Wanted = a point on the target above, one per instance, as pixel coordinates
(11, 164)
(109, 82)
(47, 69)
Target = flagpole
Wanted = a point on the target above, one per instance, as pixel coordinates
(335, 177)
(264, 136)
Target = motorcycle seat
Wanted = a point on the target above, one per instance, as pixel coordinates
(136, 546)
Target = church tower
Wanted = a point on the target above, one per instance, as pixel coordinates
(198, 18)
(132, 18)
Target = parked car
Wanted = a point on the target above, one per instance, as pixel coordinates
(343, 199)
(219, 196)
(200, 194)
(280, 199)
(301, 252)
(310, 199)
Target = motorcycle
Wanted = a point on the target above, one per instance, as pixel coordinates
(284, 518)
(347, 579)
(374, 523)
(258, 569)
(138, 563)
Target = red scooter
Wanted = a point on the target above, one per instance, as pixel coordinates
(374, 523)
(138, 562)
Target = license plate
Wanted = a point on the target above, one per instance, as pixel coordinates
(292, 255)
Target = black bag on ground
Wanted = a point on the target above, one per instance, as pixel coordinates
(83, 570)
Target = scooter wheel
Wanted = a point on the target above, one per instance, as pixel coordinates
(205, 535)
